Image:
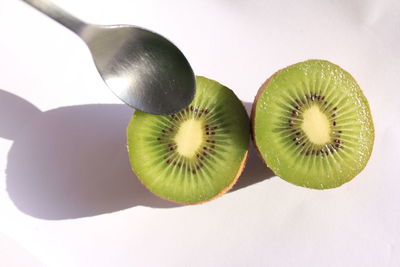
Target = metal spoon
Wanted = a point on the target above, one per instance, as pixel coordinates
(142, 68)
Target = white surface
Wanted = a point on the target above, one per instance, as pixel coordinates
(68, 198)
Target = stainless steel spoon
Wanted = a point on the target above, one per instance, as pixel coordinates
(142, 68)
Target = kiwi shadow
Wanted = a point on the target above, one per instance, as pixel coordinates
(255, 171)
(70, 162)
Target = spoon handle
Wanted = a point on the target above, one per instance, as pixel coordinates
(50, 9)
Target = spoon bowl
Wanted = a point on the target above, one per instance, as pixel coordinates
(142, 68)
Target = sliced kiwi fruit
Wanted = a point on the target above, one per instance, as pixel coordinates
(312, 125)
(194, 155)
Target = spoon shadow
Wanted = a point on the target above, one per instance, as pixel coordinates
(71, 162)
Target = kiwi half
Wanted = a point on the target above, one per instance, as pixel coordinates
(194, 155)
(312, 125)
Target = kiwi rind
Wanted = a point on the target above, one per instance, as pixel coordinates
(225, 190)
(266, 154)
(241, 144)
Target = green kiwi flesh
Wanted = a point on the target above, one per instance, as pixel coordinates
(196, 154)
(312, 125)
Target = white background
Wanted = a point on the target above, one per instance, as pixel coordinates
(68, 197)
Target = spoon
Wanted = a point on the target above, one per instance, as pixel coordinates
(142, 68)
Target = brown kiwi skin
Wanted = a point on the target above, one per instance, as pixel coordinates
(260, 92)
(253, 113)
(226, 189)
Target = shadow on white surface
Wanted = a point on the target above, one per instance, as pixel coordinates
(71, 162)
(255, 170)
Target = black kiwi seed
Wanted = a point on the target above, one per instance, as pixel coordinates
(295, 112)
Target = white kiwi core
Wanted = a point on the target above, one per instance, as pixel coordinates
(316, 125)
(189, 137)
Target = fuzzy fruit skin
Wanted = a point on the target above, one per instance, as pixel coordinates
(254, 114)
